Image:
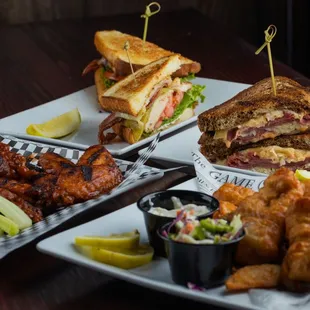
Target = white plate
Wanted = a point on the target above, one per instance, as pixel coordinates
(155, 275)
(85, 100)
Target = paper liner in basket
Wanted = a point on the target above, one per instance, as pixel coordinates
(210, 179)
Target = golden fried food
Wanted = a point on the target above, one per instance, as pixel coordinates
(256, 276)
(264, 236)
(232, 193)
(261, 243)
(96, 155)
(224, 209)
(298, 261)
(53, 163)
(296, 264)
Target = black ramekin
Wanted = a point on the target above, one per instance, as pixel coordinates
(206, 265)
(163, 199)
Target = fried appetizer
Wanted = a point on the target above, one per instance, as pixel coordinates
(296, 264)
(264, 216)
(256, 276)
(224, 209)
(232, 193)
(34, 213)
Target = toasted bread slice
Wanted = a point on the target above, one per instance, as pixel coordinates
(215, 150)
(126, 134)
(110, 44)
(129, 95)
(255, 101)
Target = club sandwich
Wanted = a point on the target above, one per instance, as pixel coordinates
(114, 64)
(148, 101)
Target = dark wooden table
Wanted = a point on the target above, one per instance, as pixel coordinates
(42, 62)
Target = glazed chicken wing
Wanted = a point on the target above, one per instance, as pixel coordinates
(81, 183)
(34, 213)
(13, 165)
(54, 163)
(256, 276)
(19, 188)
(96, 155)
(232, 193)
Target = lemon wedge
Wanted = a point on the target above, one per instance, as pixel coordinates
(58, 126)
(302, 175)
(123, 258)
(128, 240)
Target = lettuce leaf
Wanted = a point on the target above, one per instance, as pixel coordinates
(107, 82)
(190, 97)
(189, 77)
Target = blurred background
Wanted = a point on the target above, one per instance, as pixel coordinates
(246, 18)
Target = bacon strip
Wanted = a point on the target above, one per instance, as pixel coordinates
(106, 124)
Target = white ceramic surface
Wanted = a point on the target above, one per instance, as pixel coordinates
(85, 100)
(155, 275)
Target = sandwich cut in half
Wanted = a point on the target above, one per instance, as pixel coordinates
(257, 130)
(114, 65)
(149, 101)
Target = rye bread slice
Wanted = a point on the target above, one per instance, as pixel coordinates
(255, 101)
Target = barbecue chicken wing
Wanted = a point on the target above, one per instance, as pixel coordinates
(53, 163)
(34, 213)
(77, 184)
(96, 155)
(13, 165)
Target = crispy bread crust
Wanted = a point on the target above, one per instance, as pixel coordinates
(215, 150)
(254, 101)
(109, 43)
(129, 94)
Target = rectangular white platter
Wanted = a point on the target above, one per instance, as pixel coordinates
(85, 100)
(155, 275)
(142, 175)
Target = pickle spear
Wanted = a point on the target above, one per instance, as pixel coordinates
(8, 226)
(14, 213)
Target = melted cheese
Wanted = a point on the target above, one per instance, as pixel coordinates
(279, 154)
(260, 122)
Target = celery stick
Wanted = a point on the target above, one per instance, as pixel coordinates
(8, 226)
(14, 213)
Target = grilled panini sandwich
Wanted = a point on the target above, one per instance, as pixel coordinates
(114, 64)
(148, 101)
(257, 130)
